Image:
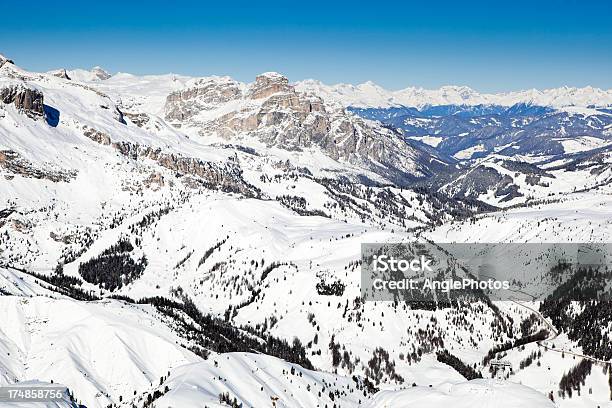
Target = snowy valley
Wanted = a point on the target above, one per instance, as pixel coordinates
(169, 241)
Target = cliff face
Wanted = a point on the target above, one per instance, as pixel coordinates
(217, 176)
(202, 95)
(272, 111)
(224, 177)
(27, 100)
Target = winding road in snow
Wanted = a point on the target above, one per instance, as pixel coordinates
(555, 334)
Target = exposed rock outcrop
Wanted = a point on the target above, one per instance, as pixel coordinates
(155, 181)
(216, 176)
(97, 136)
(60, 73)
(100, 73)
(269, 83)
(139, 119)
(27, 100)
(4, 60)
(14, 163)
(202, 95)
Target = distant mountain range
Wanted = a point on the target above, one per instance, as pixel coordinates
(469, 132)
(371, 95)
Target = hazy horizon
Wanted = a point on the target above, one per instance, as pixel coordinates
(489, 47)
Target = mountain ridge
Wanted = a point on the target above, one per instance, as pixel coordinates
(369, 94)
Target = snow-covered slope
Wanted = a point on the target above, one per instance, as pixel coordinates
(579, 217)
(101, 350)
(503, 182)
(64, 402)
(475, 393)
(258, 381)
(94, 74)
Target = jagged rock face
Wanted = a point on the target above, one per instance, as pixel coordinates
(271, 110)
(268, 84)
(27, 100)
(220, 176)
(202, 95)
(155, 181)
(225, 177)
(287, 119)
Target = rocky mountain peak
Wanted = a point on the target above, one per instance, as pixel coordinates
(269, 83)
(100, 73)
(274, 112)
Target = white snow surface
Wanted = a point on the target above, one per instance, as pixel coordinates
(101, 350)
(475, 393)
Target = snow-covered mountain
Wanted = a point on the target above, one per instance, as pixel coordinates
(173, 241)
(271, 112)
(531, 134)
(94, 74)
(370, 95)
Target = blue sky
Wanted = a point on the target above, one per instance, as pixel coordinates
(490, 46)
